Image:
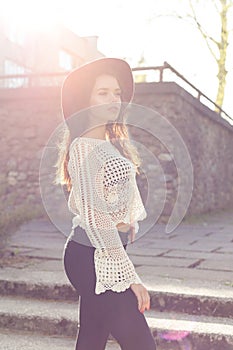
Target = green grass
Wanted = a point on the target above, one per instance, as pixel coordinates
(12, 215)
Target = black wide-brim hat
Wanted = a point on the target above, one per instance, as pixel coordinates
(77, 86)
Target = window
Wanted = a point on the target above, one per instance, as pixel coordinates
(12, 68)
(14, 34)
(65, 60)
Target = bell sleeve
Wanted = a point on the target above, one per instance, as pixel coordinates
(102, 190)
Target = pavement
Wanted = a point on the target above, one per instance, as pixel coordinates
(189, 274)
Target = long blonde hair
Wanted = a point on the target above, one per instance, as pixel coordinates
(116, 133)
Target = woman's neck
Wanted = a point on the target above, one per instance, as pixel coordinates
(97, 133)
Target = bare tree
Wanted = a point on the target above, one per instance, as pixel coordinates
(217, 41)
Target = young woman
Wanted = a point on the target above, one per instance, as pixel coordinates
(98, 167)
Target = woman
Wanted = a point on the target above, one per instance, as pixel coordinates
(99, 167)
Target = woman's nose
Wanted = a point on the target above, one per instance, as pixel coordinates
(114, 97)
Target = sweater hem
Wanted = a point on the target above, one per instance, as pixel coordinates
(117, 289)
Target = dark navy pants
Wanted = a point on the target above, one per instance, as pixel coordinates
(106, 313)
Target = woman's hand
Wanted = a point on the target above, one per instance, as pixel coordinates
(142, 296)
(122, 227)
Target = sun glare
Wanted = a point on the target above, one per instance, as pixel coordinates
(156, 38)
(30, 16)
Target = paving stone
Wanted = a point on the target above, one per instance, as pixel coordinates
(33, 275)
(198, 247)
(198, 255)
(219, 237)
(145, 251)
(46, 253)
(167, 244)
(227, 249)
(38, 225)
(160, 261)
(217, 265)
(51, 265)
(150, 273)
(38, 243)
(208, 241)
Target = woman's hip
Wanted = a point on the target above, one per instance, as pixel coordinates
(78, 261)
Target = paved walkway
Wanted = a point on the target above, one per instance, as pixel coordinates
(189, 274)
(195, 258)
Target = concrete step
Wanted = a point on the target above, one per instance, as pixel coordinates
(192, 301)
(13, 340)
(61, 319)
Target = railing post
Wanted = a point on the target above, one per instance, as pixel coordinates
(161, 74)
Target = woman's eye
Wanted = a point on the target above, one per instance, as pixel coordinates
(105, 93)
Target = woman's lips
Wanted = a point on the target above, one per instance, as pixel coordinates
(114, 109)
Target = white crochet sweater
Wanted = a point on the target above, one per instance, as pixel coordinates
(104, 193)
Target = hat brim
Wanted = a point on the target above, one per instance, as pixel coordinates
(79, 82)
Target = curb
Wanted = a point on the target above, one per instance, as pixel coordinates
(68, 328)
(160, 301)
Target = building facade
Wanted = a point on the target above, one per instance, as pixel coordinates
(42, 53)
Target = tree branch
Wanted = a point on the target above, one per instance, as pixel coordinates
(206, 37)
(228, 6)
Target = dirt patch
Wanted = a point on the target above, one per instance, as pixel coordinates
(9, 258)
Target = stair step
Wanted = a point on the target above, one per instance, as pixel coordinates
(61, 318)
(49, 317)
(163, 299)
(28, 341)
(192, 304)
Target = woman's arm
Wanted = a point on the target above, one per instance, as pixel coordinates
(101, 204)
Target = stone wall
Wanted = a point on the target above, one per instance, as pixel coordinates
(29, 116)
(209, 140)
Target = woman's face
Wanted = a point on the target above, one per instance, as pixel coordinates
(106, 91)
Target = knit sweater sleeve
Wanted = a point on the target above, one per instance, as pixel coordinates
(103, 190)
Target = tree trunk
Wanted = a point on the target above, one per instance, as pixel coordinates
(223, 44)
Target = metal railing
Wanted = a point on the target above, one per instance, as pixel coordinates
(55, 79)
(32, 79)
(200, 94)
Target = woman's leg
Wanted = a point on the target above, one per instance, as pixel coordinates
(128, 325)
(93, 325)
(115, 313)
(107, 312)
